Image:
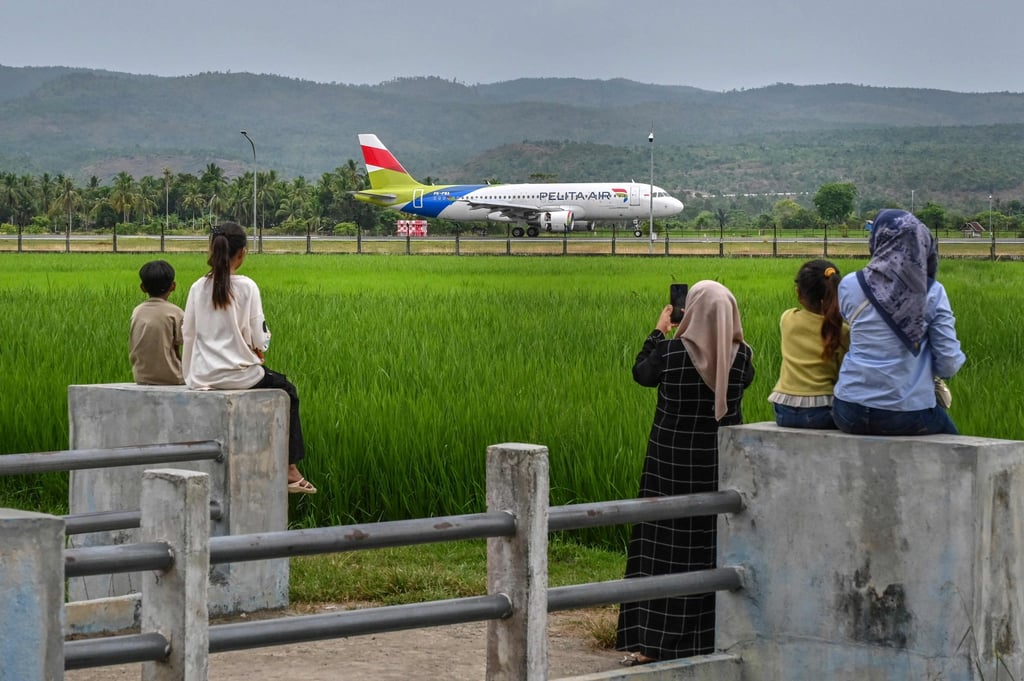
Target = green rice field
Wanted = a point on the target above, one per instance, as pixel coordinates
(408, 367)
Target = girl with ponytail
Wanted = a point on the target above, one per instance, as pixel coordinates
(814, 340)
(225, 336)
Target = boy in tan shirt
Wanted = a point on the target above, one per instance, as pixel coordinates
(155, 335)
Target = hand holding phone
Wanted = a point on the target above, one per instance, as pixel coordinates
(677, 296)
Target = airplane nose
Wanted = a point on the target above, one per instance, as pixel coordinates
(673, 206)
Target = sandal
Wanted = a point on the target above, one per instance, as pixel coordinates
(301, 486)
(633, 659)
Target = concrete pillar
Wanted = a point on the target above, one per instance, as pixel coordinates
(517, 482)
(31, 596)
(250, 484)
(873, 558)
(175, 510)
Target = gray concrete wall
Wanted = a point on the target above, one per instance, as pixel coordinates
(873, 558)
(250, 485)
(31, 596)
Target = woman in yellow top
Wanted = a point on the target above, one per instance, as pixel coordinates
(814, 340)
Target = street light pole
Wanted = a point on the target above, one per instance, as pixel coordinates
(259, 242)
(650, 140)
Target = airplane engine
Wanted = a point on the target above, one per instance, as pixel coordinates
(556, 220)
(498, 216)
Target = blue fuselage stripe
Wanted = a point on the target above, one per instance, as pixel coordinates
(435, 201)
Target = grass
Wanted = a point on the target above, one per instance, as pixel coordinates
(409, 367)
(432, 572)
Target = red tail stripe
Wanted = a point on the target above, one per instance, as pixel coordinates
(381, 158)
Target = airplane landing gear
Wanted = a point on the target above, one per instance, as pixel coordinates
(517, 232)
(532, 231)
(637, 233)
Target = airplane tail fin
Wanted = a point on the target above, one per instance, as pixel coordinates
(382, 168)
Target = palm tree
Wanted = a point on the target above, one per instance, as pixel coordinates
(24, 199)
(167, 206)
(193, 201)
(266, 194)
(121, 198)
(8, 196)
(67, 199)
(148, 196)
(240, 200)
(45, 188)
(212, 180)
(296, 204)
(92, 196)
(123, 194)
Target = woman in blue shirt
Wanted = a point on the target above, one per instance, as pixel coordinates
(902, 335)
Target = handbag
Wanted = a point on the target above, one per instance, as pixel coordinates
(942, 394)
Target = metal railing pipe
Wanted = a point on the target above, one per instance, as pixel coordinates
(105, 521)
(109, 560)
(643, 588)
(602, 513)
(287, 543)
(110, 457)
(103, 652)
(282, 630)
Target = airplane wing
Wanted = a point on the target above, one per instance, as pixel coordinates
(516, 211)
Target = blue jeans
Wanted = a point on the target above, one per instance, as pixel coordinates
(861, 420)
(818, 418)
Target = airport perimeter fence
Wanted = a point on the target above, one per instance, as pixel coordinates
(952, 244)
(177, 550)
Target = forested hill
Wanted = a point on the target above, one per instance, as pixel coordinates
(778, 138)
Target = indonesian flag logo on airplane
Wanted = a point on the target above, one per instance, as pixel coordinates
(379, 158)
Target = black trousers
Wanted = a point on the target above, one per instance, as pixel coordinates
(296, 445)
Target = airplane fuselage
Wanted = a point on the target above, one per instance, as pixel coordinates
(589, 201)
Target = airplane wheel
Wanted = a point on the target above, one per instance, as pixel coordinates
(532, 231)
(637, 233)
(517, 232)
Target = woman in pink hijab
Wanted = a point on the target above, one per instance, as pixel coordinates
(700, 372)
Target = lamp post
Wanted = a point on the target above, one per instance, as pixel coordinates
(650, 140)
(259, 242)
(911, 200)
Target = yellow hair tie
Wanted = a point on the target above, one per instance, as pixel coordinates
(829, 271)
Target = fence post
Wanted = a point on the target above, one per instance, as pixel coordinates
(176, 510)
(517, 482)
(31, 596)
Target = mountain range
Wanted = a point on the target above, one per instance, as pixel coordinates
(948, 147)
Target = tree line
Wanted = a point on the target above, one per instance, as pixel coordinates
(185, 202)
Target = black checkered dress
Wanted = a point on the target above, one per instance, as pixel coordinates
(682, 458)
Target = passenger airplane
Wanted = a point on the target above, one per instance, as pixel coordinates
(555, 207)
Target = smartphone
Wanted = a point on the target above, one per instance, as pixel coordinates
(677, 296)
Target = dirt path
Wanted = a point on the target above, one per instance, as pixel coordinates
(450, 653)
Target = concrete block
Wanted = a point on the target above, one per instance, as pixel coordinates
(250, 485)
(31, 596)
(103, 615)
(872, 558)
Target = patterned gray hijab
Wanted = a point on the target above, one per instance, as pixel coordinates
(903, 264)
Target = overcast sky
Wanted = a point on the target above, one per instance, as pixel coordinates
(715, 44)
